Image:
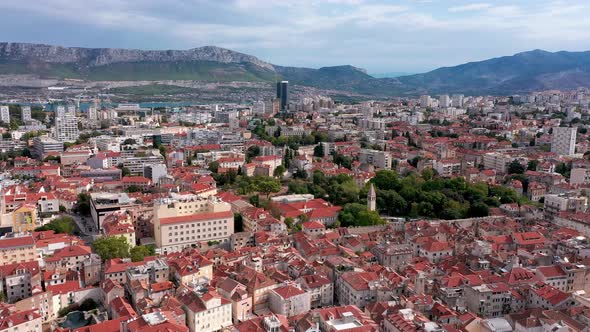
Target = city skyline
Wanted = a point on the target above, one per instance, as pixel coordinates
(380, 36)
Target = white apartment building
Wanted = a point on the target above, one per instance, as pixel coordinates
(447, 167)
(379, 159)
(4, 114)
(580, 176)
(45, 144)
(289, 301)
(92, 114)
(563, 141)
(556, 203)
(425, 101)
(137, 165)
(206, 311)
(457, 101)
(496, 161)
(25, 112)
(184, 221)
(489, 300)
(444, 101)
(66, 128)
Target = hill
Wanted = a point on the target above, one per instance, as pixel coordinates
(520, 73)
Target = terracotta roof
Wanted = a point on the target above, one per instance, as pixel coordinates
(12, 242)
(288, 291)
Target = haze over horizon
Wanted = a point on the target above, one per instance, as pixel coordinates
(379, 36)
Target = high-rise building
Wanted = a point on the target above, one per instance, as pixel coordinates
(444, 101)
(425, 101)
(66, 128)
(60, 111)
(25, 112)
(457, 101)
(92, 114)
(71, 110)
(4, 114)
(283, 94)
(564, 141)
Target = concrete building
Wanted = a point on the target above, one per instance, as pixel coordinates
(444, 101)
(425, 101)
(102, 204)
(557, 203)
(25, 112)
(289, 301)
(206, 310)
(92, 114)
(22, 321)
(496, 161)
(283, 94)
(19, 279)
(184, 221)
(4, 114)
(320, 289)
(447, 167)
(393, 255)
(379, 159)
(563, 141)
(457, 101)
(42, 145)
(580, 176)
(66, 128)
(489, 300)
(137, 165)
(154, 172)
(17, 250)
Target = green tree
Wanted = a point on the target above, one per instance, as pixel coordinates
(214, 166)
(279, 171)
(83, 204)
(267, 186)
(129, 141)
(62, 224)
(138, 253)
(515, 167)
(133, 189)
(318, 150)
(125, 171)
(532, 165)
(111, 247)
(355, 214)
(479, 209)
(253, 151)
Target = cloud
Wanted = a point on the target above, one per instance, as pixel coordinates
(470, 7)
(380, 35)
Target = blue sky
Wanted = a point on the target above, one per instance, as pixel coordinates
(378, 35)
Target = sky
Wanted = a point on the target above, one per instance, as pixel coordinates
(378, 35)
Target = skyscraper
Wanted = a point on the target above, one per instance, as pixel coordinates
(563, 141)
(25, 112)
(4, 114)
(92, 114)
(66, 128)
(283, 94)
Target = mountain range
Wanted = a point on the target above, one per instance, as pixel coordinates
(519, 73)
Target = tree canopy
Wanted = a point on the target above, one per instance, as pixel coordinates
(111, 247)
(138, 253)
(62, 224)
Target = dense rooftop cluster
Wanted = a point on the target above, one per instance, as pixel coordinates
(449, 214)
